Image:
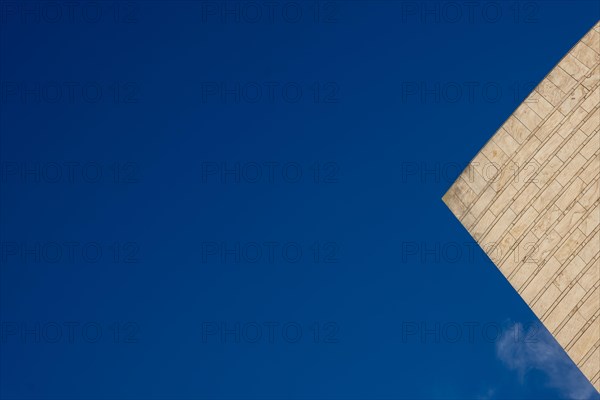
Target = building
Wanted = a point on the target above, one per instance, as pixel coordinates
(530, 198)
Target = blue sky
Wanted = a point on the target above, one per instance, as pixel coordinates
(208, 200)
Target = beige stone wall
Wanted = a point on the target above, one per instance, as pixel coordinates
(530, 198)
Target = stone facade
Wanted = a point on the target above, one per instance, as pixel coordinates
(530, 198)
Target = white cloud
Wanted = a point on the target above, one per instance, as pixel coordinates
(535, 349)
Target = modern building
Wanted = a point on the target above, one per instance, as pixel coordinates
(530, 198)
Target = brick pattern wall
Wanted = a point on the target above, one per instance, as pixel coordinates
(530, 198)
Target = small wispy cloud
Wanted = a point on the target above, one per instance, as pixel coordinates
(488, 395)
(525, 351)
